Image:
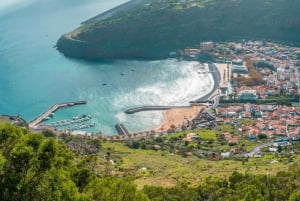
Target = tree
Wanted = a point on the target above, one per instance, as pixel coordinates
(262, 136)
(135, 144)
(279, 149)
(295, 196)
(34, 168)
(114, 189)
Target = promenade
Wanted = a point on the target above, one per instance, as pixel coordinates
(217, 79)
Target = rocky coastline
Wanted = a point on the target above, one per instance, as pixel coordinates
(152, 31)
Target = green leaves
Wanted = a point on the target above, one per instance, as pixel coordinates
(36, 168)
(114, 189)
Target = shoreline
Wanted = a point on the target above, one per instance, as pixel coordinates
(217, 79)
(180, 116)
(177, 116)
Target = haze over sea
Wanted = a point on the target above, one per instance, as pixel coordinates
(34, 75)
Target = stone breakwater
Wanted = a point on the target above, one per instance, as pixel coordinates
(35, 123)
(151, 108)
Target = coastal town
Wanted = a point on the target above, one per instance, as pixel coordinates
(256, 93)
(257, 96)
(150, 100)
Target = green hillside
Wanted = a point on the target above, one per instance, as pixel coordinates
(151, 31)
(33, 167)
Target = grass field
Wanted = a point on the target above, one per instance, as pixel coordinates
(151, 167)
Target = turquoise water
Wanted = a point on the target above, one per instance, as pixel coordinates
(34, 76)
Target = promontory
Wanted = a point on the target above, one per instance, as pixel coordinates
(145, 29)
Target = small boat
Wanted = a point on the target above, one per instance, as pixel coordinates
(122, 74)
(104, 84)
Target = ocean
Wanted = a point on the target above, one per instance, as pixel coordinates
(34, 75)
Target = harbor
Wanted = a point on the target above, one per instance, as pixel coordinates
(38, 121)
(83, 123)
(79, 122)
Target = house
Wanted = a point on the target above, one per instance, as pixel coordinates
(257, 155)
(236, 150)
(206, 46)
(239, 69)
(282, 144)
(248, 95)
(272, 149)
(233, 141)
(252, 133)
(190, 137)
(225, 154)
(251, 137)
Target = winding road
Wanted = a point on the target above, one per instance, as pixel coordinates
(258, 148)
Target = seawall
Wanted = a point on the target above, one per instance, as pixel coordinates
(151, 108)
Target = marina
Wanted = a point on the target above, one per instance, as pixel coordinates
(35, 123)
(76, 123)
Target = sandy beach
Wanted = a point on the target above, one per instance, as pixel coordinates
(178, 116)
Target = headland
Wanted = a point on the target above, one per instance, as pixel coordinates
(140, 30)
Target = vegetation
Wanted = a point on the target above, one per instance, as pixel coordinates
(255, 78)
(154, 30)
(237, 187)
(36, 168)
(33, 167)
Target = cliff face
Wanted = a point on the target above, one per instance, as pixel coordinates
(153, 30)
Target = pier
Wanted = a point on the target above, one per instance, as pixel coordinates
(121, 129)
(34, 124)
(151, 108)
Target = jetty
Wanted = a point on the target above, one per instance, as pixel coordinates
(152, 108)
(121, 129)
(34, 124)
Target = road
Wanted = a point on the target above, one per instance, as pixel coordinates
(216, 77)
(258, 148)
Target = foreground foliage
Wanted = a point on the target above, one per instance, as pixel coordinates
(33, 167)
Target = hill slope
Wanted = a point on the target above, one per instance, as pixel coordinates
(151, 31)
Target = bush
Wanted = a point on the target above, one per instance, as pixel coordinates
(262, 136)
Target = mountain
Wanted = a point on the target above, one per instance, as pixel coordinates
(141, 30)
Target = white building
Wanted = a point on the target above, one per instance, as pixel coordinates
(207, 46)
